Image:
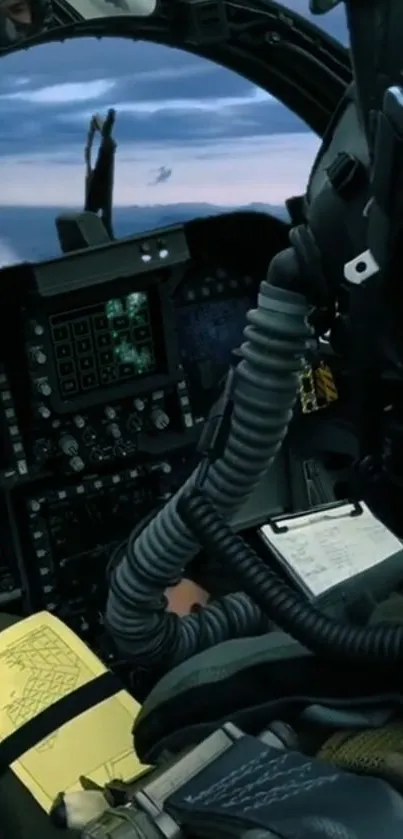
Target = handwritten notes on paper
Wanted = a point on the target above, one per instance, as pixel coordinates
(322, 549)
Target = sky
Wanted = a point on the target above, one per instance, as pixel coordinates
(188, 131)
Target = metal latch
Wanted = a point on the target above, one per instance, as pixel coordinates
(145, 816)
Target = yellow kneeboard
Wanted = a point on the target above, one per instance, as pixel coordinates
(41, 661)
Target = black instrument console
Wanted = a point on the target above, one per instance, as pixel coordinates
(109, 361)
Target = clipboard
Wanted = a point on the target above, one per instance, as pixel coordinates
(331, 547)
(277, 523)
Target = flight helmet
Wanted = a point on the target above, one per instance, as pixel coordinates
(21, 19)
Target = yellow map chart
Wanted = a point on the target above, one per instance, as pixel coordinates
(41, 660)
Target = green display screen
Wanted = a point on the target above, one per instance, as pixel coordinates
(104, 343)
(129, 324)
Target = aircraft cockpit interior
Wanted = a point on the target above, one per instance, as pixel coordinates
(115, 354)
(197, 456)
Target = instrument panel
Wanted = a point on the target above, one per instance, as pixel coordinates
(110, 359)
(210, 321)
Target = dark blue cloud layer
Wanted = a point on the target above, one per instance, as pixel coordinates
(143, 73)
(160, 128)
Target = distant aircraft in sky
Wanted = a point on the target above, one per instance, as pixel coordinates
(162, 175)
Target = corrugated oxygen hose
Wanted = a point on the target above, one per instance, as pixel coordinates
(266, 386)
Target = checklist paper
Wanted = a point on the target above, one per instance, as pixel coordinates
(324, 548)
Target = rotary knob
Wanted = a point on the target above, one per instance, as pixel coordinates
(114, 431)
(159, 419)
(162, 467)
(79, 421)
(44, 412)
(96, 455)
(76, 464)
(110, 412)
(43, 387)
(68, 445)
(134, 423)
(38, 356)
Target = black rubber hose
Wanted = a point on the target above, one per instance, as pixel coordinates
(266, 382)
(287, 608)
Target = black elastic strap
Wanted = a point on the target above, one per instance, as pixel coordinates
(50, 719)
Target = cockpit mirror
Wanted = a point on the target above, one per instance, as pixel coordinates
(21, 20)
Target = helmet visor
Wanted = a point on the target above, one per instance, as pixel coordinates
(319, 7)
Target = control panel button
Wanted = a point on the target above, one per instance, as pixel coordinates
(81, 327)
(141, 333)
(100, 322)
(83, 346)
(106, 357)
(125, 370)
(121, 322)
(104, 341)
(89, 380)
(64, 351)
(60, 333)
(86, 363)
(66, 368)
(107, 375)
(69, 386)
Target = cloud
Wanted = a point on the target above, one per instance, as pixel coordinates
(228, 172)
(82, 60)
(8, 255)
(151, 107)
(164, 74)
(162, 95)
(213, 104)
(62, 94)
(16, 81)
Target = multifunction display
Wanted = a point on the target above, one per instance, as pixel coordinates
(106, 343)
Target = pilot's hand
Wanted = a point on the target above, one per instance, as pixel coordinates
(183, 597)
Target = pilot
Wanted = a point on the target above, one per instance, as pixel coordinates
(20, 19)
(18, 11)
